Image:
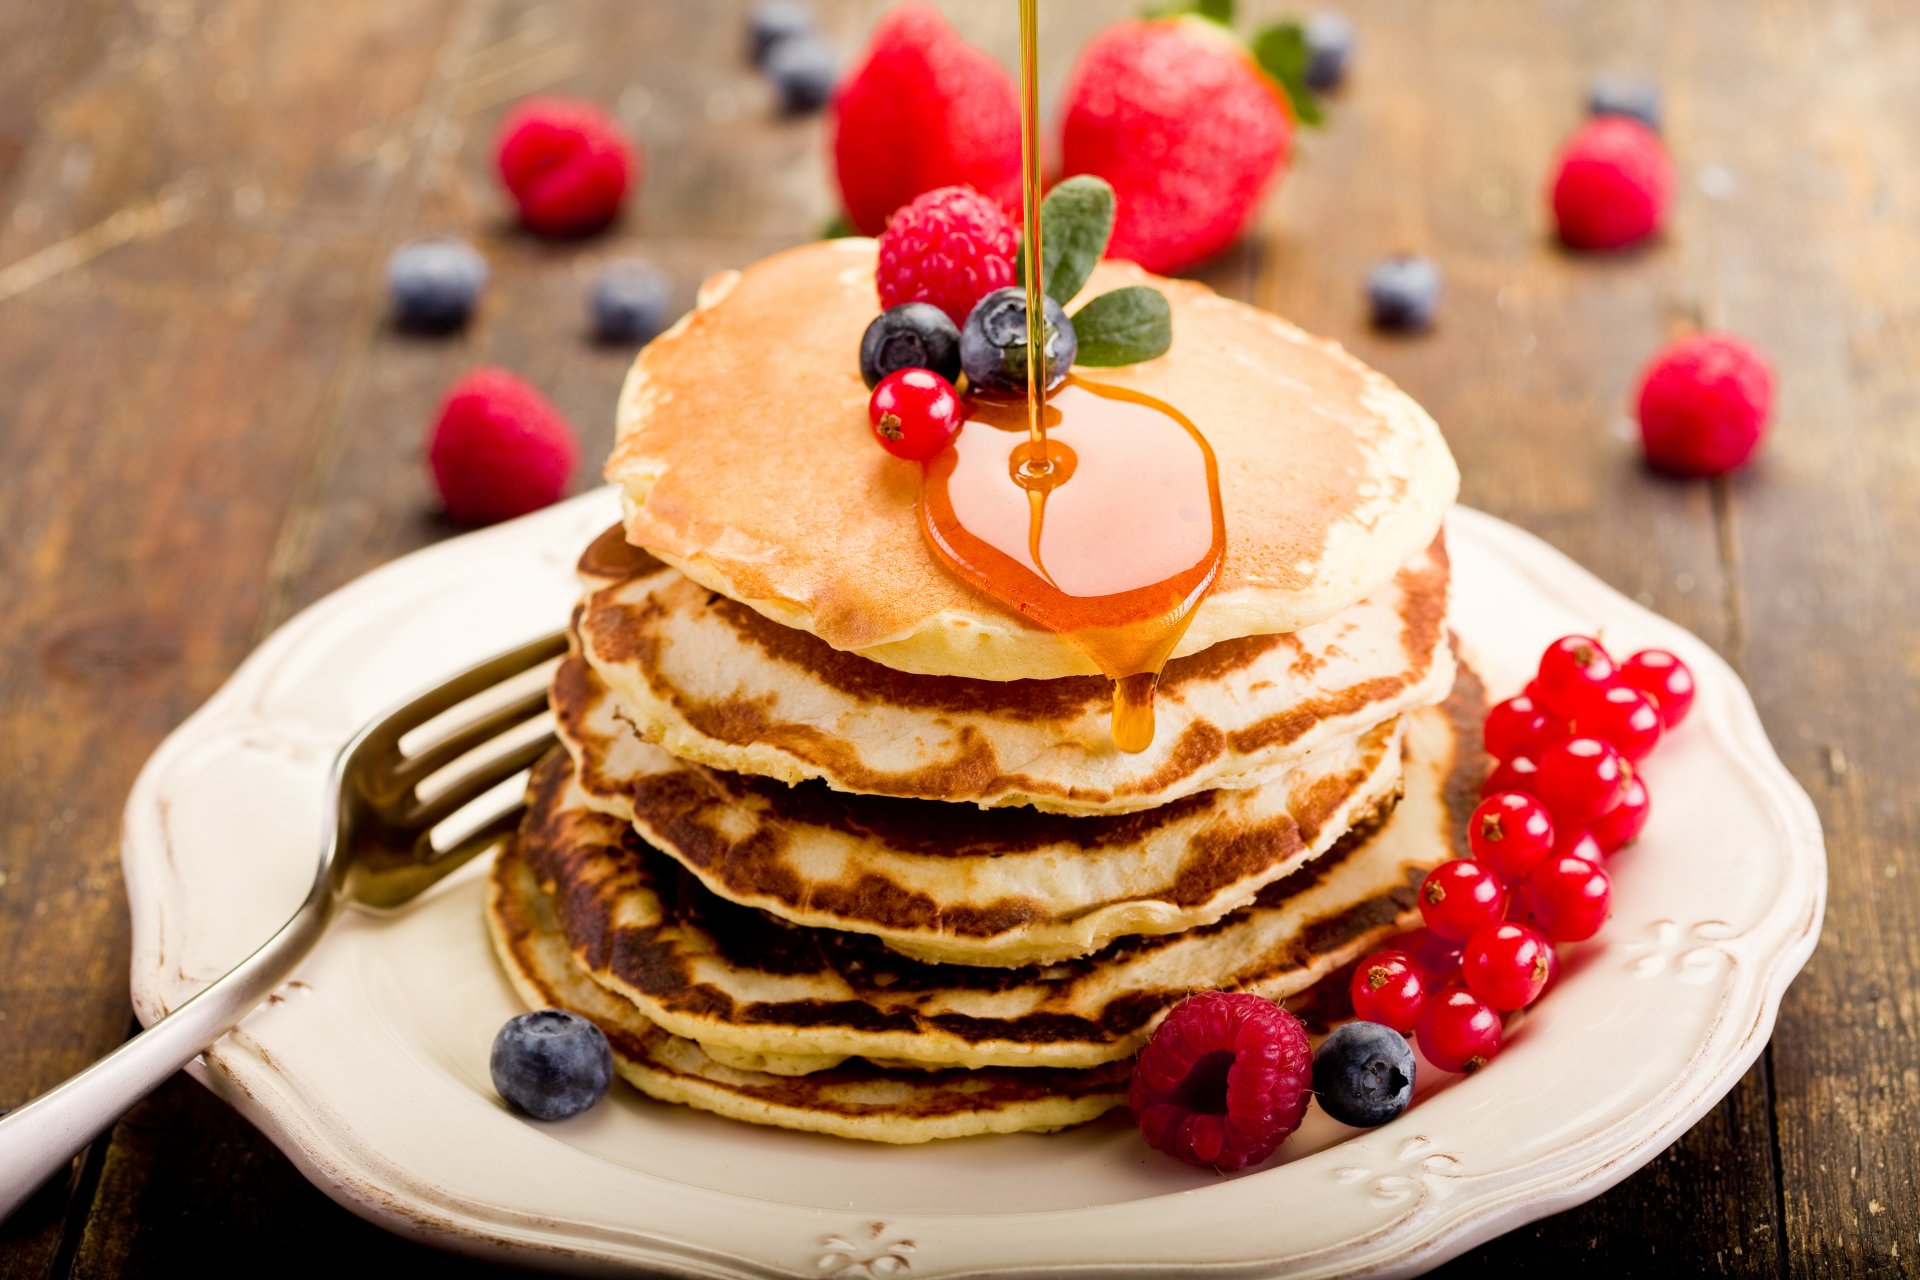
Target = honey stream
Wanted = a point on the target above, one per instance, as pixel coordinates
(1096, 512)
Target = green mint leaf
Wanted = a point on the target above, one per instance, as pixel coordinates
(1220, 11)
(838, 227)
(1076, 219)
(1125, 326)
(1281, 51)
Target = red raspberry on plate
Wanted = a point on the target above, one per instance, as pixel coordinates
(566, 164)
(1224, 1080)
(498, 449)
(951, 247)
(924, 109)
(1612, 184)
(1703, 405)
(1176, 115)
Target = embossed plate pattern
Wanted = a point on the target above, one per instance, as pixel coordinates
(370, 1068)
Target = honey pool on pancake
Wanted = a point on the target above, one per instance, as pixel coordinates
(1095, 514)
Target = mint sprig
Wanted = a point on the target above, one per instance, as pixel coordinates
(1124, 326)
(1220, 11)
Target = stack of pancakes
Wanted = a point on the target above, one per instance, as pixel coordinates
(838, 844)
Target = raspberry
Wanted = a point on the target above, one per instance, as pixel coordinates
(950, 247)
(566, 164)
(1703, 405)
(923, 110)
(1612, 184)
(498, 449)
(1176, 115)
(1224, 1080)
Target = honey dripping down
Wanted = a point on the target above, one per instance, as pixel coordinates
(1095, 514)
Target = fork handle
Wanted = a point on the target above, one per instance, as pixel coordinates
(37, 1139)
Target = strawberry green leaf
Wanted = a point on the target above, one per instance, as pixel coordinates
(1281, 51)
(1076, 219)
(1220, 11)
(1124, 326)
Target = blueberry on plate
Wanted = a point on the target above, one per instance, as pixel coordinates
(1363, 1074)
(629, 301)
(773, 22)
(993, 343)
(804, 71)
(1329, 45)
(551, 1064)
(433, 284)
(1403, 292)
(913, 335)
(1620, 96)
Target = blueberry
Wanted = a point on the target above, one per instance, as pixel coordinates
(1363, 1074)
(629, 301)
(804, 71)
(773, 22)
(993, 343)
(433, 284)
(1329, 45)
(551, 1064)
(1402, 292)
(1619, 96)
(913, 335)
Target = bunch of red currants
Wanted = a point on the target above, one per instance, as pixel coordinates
(1565, 795)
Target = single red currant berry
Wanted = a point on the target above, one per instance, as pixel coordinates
(1577, 842)
(1458, 897)
(1437, 958)
(1620, 825)
(1573, 671)
(1457, 1030)
(1553, 969)
(1579, 779)
(1627, 718)
(915, 413)
(1520, 726)
(1510, 833)
(1517, 774)
(1567, 898)
(1506, 965)
(1665, 679)
(1388, 989)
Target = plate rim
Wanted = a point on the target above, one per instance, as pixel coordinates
(243, 1079)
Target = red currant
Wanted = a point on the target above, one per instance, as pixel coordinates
(1573, 672)
(1518, 774)
(1520, 726)
(1621, 825)
(1437, 958)
(1627, 718)
(1567, 898)
(1506, 965)
(1458, 1031)
(1389, 989)
(915, 413)
(1510, 833)
(1553, 969)
(1579, 779)
(1458, 897)
(1665, 679)
(1578, 842)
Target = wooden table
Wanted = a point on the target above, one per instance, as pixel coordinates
(208, 424)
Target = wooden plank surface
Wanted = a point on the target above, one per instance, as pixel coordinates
(210, 425)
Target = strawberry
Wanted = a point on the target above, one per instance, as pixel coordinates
(924, 109)
(1177, 115)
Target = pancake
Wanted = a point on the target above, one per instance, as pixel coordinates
(958, 883)
(745, 460)
(854, 1100)
(715, 682)
(794, 1000)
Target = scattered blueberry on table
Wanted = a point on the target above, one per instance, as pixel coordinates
(773, 22)
(629, 302)
(1620, 96)
(804, 71)
(1403, 292)
(434, 284)
(551, 1064)
(1329, 39)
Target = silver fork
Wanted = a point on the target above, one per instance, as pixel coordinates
(377, 851)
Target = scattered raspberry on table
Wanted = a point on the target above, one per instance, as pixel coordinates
(498, 449)
(1704, 404)
(566, 164)
(1612, 184)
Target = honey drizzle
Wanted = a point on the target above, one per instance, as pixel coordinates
(1134, 545)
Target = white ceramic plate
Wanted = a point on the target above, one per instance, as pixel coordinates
(370, 1069)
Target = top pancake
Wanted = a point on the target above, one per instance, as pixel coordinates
(745, 461)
